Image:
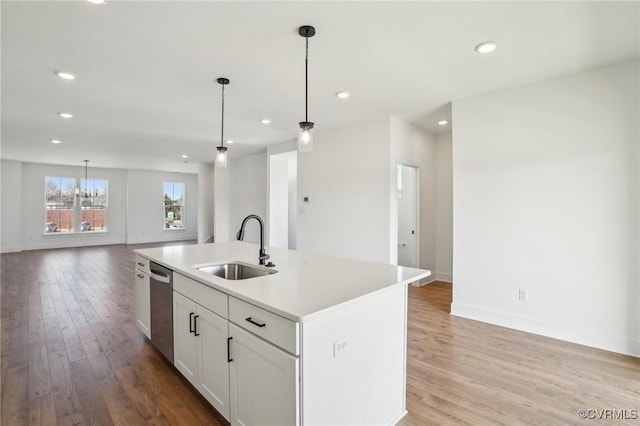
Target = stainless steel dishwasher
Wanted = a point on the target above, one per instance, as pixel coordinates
(162, 309)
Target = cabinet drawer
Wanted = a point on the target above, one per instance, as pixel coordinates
(212, 299)
(271, 327)
(142, 264)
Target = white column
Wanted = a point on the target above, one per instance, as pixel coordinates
(221, 203)
(205, 202)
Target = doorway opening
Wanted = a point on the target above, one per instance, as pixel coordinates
(408, 216)
(283, 178)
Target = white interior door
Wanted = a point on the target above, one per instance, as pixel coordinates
(408, 216)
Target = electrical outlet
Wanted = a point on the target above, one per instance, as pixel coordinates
(523, 295)
(339, 346)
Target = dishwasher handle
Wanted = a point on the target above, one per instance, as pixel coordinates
(160, 278)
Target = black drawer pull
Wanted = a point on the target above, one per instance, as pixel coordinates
(191, 327)
(255, 323)
(195, 325)
(140, 276)
(229, 359)
(140, 263)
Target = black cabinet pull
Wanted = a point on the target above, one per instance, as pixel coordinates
(255, 323)
(195, 325)
(229, 359)
(191, 327)
(140, 276)
(140, 263)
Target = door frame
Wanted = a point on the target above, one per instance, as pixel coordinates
(394, 197)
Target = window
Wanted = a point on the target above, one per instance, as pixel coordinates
(93, 201)
(173, 205)
(59, 204)
(71, 208)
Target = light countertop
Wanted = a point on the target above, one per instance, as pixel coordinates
(305, 286)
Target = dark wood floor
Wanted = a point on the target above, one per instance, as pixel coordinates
(71, 354)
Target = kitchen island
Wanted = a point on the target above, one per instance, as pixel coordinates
(320, 341)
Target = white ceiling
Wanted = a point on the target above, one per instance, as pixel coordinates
(146, 88)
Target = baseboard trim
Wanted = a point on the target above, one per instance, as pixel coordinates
(438, 276)
(399, 417)
(180, 237)
(71, 242)
(619, 344)
(10, 249)
(443, 276)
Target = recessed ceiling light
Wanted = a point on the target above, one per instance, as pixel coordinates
(65, 114)
(486, 47)
(265, 121)
(65, 75)
(56, 141)
(443, 122)
(96, 1)
(229, 141)
(184, 156)
(342, 95)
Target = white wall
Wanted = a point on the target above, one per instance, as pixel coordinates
(444, 208)
(415, 147)
(205, 202)
(33, 211)
(10, 206)
(346, 178)
(247, 194)
(145, 221)
(546, 199)
(134, 214)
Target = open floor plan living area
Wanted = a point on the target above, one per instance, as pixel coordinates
(320, 213)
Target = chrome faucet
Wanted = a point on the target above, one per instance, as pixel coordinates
(240, 235)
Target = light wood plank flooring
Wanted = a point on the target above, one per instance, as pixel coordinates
(71, 354)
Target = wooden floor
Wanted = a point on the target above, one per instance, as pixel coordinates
(71, 354)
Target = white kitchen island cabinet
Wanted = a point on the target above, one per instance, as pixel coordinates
(320, 342)
(143, 296)
(264, 382)
(200, 344)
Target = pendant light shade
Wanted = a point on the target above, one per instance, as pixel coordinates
(221, 157)
(221, 154)
(305, 137)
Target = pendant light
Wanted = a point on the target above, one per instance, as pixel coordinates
(86, 193)
(221, 155)
(305, 137)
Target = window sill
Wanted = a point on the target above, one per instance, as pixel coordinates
(48, 234)
(174, 229)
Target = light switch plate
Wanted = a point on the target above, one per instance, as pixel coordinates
(339, 346)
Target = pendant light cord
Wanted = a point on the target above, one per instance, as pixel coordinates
(306, 80)
(222, 125)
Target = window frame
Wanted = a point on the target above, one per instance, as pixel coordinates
(75, 223)
(169, 224)
(86, 207)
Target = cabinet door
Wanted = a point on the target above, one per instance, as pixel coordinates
(143, 303)
(264, 382)
(213, 364)
(184, 340)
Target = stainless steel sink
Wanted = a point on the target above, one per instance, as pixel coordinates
(235, 271)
